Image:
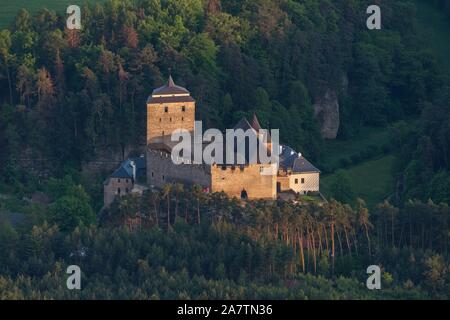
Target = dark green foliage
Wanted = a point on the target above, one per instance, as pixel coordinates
(73, 94)
(66, 96)
(341, 188)
(244, 259)
(426, 174)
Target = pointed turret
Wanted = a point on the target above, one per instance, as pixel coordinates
(170, 89)
(255, 123)
(170, 82)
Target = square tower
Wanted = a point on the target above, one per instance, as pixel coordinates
(169, 108)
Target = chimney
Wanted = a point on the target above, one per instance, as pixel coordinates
(133, 167)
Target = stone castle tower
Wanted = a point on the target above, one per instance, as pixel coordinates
(169, 108)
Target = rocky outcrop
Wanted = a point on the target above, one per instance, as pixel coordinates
(326, 112)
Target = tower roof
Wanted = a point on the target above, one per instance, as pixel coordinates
(257, 127)
(291, 160)
(255, 123)
(243, 124)
(170, 89)
(170, 93)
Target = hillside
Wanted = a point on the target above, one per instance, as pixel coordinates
(66, 96)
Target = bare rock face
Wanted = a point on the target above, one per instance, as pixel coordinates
(326, 112)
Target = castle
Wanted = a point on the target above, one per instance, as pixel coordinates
(171, 107)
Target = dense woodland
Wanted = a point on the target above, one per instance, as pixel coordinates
(66, 96)
(185, 244)
(86, 90)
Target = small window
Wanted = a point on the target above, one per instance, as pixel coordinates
(163, 177)
(183, 108)
(170, 119)
(153, 174)
(162, 133)
(303, 180)
(118, 180)
(126, 180)
(160, 119)
(182, 118)
(296, 181)
(118, 191)
(166, 109)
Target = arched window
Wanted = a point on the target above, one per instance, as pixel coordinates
(244, 194)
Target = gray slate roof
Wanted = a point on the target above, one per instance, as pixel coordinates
(174, 94)
(170, 88)
(125, 170)
(291, 160)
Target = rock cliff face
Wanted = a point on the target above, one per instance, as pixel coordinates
(326, 111)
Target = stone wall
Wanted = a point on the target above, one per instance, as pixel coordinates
(283, 182)
(233, 180)
(112, 186)
(161, 170)
(161, 123)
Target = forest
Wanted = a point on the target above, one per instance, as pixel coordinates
(67, 96)
(183, 244)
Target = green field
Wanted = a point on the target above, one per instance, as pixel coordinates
(9, 8)
(371, 180)
(336, 150)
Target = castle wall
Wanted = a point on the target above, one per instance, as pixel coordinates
(233, 180)
(161, 123)
(283, 182)
(112, 186)
(161, 170)
(309, 183)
